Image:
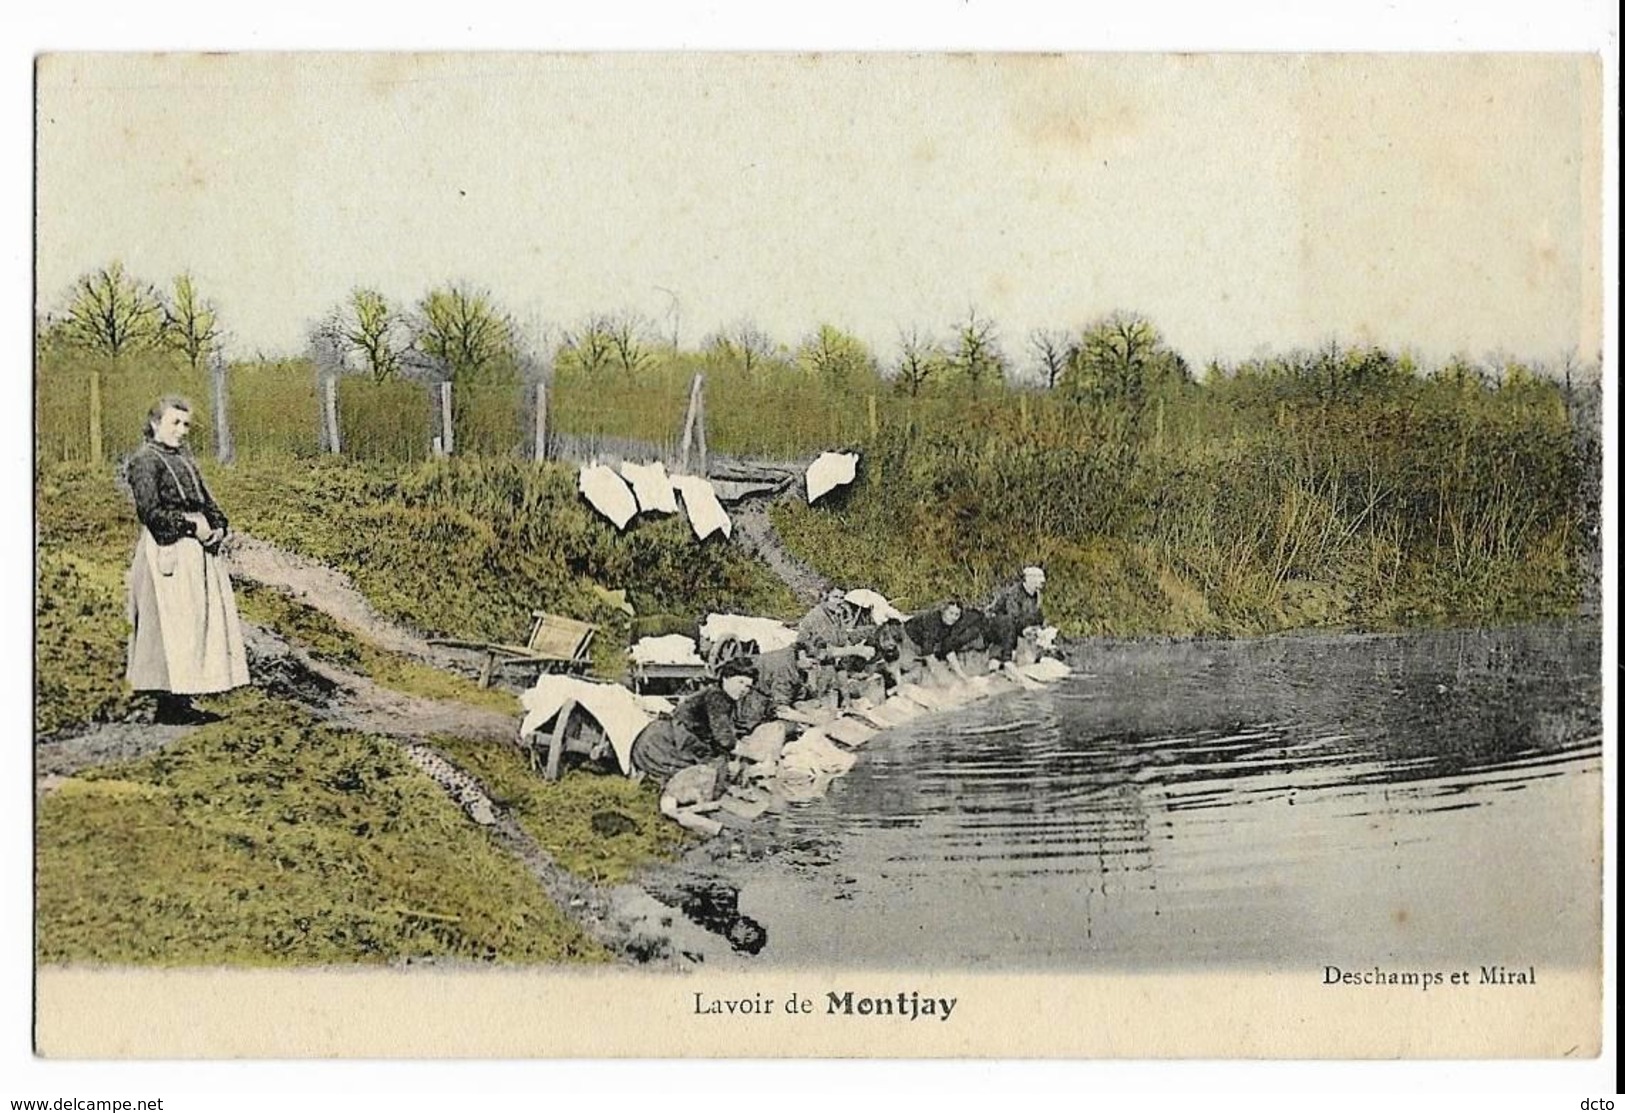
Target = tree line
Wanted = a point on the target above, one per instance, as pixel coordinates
(459, 330)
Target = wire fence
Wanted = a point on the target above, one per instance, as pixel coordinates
(92, 407)
(682, 410)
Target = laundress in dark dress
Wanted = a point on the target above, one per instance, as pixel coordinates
(1011, 611)
(700, 731)
(185, 635)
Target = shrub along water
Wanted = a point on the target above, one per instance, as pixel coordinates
(1339, 488)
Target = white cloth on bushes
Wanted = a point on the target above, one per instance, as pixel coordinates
(608, 494)
(829, 471)
(705, 513)
(652, 486)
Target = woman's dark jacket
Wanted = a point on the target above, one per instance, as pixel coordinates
(167, 486)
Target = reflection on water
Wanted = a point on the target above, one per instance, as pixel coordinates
(1337, 799)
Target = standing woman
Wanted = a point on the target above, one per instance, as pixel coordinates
(187, 639)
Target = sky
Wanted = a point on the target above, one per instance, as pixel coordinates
(1244, 203)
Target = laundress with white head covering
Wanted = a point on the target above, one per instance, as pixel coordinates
(186, 637)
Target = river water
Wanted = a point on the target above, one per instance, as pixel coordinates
(1342, 799)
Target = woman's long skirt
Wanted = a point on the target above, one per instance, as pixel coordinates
(186, 635)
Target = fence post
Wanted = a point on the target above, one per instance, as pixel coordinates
(541, 421)
(96, 415)
(874, 419)
(224, 449)
(447, 438)
(699, 430)
(330, 410)
(688, 421)
(1025, 420)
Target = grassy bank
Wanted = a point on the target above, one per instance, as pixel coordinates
(1345, 490)
(468, 547)
(269, 839)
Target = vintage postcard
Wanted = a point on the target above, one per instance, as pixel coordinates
(818, 555)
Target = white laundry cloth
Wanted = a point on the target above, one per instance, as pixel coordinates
(879, 607)
(849, 731)
(1047, 669)
(705, 513)
(670, 649)
(829, 471)
(652, 486)
(608, 494)
(618, 711)
(813, 753)
(764, 744)
(768, 634)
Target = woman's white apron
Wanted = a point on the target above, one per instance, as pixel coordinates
(187, 638)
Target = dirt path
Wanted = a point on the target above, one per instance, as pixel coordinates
(99, 744)
(333, 593)
(754, 531)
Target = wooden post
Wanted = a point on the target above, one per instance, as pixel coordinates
(330, 398)
(1025, 420)
(447, 437)
(96, 415)
(874, 419)
(541, 422)
(1159, 424)
(688, 423)
(699, 431)
(224, 449)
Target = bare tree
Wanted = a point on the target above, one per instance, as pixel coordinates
(1108, 361)
(191, 324)
(1051, 346)
(463, 330)
(918, 357)
(588, 343)
(976, 356)
(112, 312)
(626, 339)
(834, 355)
(743, 343)
(367, 324)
